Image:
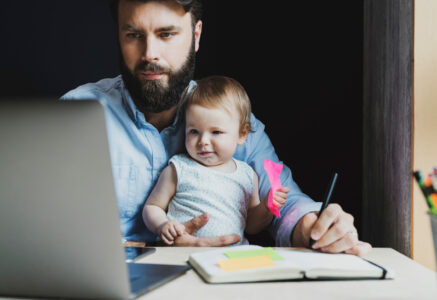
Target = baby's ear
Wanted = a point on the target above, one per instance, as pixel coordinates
(243, 134)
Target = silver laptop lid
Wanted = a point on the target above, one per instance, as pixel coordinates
(59, 223)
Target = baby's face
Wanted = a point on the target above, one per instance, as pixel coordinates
(212, 134)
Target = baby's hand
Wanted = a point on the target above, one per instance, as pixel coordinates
(280, 196)
(171, 230)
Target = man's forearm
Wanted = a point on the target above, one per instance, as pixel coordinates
(298, 238)
(285, 229)
(258, 148)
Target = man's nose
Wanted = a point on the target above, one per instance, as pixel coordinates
(151, 49)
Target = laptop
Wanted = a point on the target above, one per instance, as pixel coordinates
(59, 223)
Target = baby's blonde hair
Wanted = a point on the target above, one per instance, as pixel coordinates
(222, 92)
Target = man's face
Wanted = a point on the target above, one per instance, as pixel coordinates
(158, 48)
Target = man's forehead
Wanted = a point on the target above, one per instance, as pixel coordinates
(157, 13)
(153, 5)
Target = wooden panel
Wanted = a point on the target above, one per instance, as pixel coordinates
(387, 119)
(425, 123)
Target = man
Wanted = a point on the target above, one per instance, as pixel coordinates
(158, 41)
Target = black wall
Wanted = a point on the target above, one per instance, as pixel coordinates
(302, 69)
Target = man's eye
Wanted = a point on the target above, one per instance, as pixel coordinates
(133, 35)
(217, 132)
(166, 35)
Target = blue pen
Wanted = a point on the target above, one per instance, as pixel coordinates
(326, 200)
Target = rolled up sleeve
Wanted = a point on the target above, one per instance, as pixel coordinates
(257, 148)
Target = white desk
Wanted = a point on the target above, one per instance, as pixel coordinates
(412, 281)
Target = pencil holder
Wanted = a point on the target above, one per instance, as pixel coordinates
(434, 232)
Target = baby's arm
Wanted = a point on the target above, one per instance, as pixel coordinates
(258, 214)
(154, 212)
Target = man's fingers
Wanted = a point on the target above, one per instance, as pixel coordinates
(347, 241)
(180, 229)
(196, 223)
(360, 249)
(187, 240)
(337, 232)
(328, 217)
(218, 241)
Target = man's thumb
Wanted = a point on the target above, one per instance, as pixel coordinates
(196, 223)
(309, 220)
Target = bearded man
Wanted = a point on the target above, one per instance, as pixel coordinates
(158, 41)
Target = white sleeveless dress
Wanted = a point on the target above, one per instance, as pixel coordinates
(224, 196)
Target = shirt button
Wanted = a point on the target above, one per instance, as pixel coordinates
(167, 132)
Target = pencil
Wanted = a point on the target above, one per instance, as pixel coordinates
(326, 200)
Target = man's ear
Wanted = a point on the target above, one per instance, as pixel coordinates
(244, 132)
(197, 34)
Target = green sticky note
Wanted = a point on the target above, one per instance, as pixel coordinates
(255, 252)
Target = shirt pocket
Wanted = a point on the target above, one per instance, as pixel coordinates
(125, 177)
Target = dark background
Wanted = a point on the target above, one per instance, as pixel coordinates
(301, 66)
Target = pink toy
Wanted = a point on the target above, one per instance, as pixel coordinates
(273, 171)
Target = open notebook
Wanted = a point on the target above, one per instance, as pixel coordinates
(254, 263)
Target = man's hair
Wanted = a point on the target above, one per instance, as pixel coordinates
(192, 6)
(224, 93)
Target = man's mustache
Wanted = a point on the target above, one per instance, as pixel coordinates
(152, 67)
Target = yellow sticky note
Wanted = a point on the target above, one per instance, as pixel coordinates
(234, 264)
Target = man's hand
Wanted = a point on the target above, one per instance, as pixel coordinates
(189, 240)
(333, 232)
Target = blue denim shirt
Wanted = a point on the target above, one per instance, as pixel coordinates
(139, 152)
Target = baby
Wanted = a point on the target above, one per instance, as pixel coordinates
(207, 178)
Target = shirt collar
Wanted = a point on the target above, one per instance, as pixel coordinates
(139, 117)
(128, 103)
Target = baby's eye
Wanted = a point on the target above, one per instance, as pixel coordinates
(193, 131)
(217, 132)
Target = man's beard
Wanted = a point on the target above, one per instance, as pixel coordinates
(154, 95)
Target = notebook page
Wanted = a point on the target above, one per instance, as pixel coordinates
(307, 260)
(207, 263)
